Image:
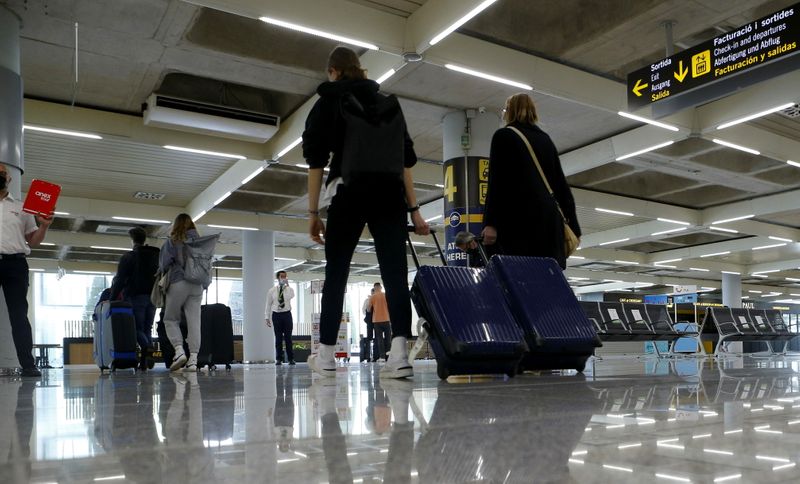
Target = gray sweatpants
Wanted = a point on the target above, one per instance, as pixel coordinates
(187, 296)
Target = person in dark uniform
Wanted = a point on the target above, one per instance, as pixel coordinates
(520, 215)
(468, 243)
(18, 234)
(135, 277)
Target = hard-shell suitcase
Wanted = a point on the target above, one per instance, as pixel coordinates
(470, 329)
(115, 336)
(216, 336)
(557, 331)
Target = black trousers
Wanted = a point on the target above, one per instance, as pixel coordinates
(382, 208)
(283, 324)
(14, 280)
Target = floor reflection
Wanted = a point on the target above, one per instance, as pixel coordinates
(687, 420)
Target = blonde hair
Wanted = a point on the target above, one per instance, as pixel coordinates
(182, 224)
(346, 61)
(520, 109)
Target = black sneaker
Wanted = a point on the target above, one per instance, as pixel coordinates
(32, 371)
(291, 362)
(278, 363)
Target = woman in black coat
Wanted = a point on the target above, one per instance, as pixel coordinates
(520, 215)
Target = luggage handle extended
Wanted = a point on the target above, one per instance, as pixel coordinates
(414, 251)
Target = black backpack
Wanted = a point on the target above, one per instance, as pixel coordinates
(374, 138)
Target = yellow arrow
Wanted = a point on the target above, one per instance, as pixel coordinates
(638, 87)
(681, 74)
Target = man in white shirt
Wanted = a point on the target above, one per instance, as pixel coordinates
(279, 316)
(18, 233)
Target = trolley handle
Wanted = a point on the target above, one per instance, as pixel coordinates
(414, 251)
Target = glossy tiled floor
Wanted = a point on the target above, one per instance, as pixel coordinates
(627, 421)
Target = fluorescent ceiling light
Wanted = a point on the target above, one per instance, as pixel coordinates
(35, 270)
(578, 278)
(627, 262)
(231, 227)
(46, 243)
(793, 279)
(734, 219)
(720, 229)
(666, 261)
(754, 292)
(489, 77)
(648, 121)
(60, 213)
(77, 134)
(386, 75)
(318, 33)
(671, 231)
(722, 452)
(669, 220)
(611, 280)
(793, 163)
(665, 266)
(673, 478)
(637, 153)
(253, 175)
(736, 147)
(766, 272)
(204, 152)
(439, 185)
(716, 254)
(708, 288)
(754, 116)
(781, 239)
(727, 478)
(301, 165)
(774, 459)
(698, 269)
(109, 248)
(199, 215)
(615, 212)
(576, 257)
(769, 246)
(104, 273)
(731, 272)
(759, 275)
(616, 468)
(784, 466)
(458, 23)
(433, 218)
(615, 241)
(143, 220)
(222, 198)
(290, 147)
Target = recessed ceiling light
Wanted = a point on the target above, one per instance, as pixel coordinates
(253, 175)
(77, 134)
(780, 239)
(769, 246)
(669, 220)
(627, 262)
(648, 121)
(793, 163)
(490, 77)
(736, 147)
(232, 227)
(641, 152)
(615, 212)
(666, 261)
(61, 213)
(734, 219)
(458, 23)
(386, 75)
(433, 218)
(720, 229)
(143, 220)
(716, 254)
(615, 241)
(756, 115)
(318, 33)
(222, 198)
(204, 152)
(109, 248)
(103, 273)
(731, 272)
(671, 231)
(698, 269)
(290, 147)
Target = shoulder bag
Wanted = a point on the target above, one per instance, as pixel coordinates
(571, 241)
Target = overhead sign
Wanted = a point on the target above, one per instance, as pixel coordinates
(763, 41)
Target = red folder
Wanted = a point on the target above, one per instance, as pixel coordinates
(42, 197)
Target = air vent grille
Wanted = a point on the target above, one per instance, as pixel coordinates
(149, 196)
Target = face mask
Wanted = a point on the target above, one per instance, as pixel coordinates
(282, 282)
(3, 182)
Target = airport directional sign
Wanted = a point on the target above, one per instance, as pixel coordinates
(763, 41)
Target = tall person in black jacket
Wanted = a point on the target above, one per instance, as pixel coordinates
(520, 215)
(135, 277)
(379, 199)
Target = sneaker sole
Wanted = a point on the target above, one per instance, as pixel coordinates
(178, 363)
(328, 373)
(404, 372)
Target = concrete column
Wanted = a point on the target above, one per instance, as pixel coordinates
(10, 146)
(466, 144)
(258, 272)
(732, 290)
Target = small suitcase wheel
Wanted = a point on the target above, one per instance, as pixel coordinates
(442, 372)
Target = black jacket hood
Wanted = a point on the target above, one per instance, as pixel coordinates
(359, 87)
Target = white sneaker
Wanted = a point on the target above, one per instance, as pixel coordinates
(324, 368)
(422, 338)
(178, 362)
(191, 364)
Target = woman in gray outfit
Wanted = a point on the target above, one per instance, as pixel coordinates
(181, 294)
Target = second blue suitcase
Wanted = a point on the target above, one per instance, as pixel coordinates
(470, 328)
(557, 331)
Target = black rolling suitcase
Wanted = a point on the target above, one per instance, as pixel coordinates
(216, 336)
(165, 345)
(557, 331)
(470, 328)
(123, 333)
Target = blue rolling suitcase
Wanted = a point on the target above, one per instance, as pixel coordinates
(557, 331)
(470, 330)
